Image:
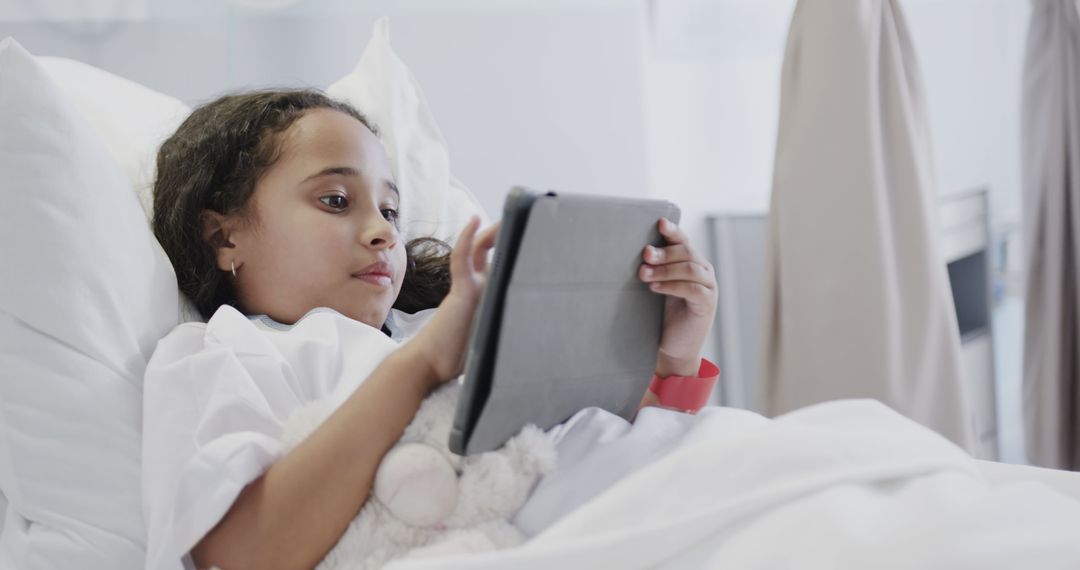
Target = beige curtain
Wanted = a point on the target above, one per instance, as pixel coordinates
(857, 294)
(1051, 191)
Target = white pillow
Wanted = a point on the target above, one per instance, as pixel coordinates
(133, 120)
(433, 202)
(86, 294)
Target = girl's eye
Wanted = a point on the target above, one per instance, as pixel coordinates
(390, 214)
(336, 201)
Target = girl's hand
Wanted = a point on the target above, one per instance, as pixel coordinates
(689, 282)
(468, 260)
(443, 342)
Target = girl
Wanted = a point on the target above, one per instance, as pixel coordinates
(279, 211)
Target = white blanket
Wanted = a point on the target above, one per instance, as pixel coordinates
(847, 484)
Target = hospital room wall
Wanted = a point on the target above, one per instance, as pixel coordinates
(669, 98)
(712, 70)
(542, 93)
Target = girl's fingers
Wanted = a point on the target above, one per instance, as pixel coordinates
(672, 232)
(694, 293)
(484, 242)
(670, 254)
(460, 260)
(486, 239)
(692, 271)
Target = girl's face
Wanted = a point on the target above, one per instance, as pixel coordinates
(325, 231)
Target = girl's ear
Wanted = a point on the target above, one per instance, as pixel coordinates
(216, 231)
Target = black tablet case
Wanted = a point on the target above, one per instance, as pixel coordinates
(564, 323)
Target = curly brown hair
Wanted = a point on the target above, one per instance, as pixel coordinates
(213, 161)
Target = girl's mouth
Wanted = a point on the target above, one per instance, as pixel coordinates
(378, 273)
(380, 279)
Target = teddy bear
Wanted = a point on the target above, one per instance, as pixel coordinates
(428, 501)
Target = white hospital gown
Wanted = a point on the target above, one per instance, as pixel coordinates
(217, 395)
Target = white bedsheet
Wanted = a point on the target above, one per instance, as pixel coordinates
(847, 484)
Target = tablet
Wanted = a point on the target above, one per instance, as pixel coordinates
(564, 322)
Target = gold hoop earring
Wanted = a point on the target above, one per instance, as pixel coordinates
(232, 264)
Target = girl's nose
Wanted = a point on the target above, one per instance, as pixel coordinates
(380, 233)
